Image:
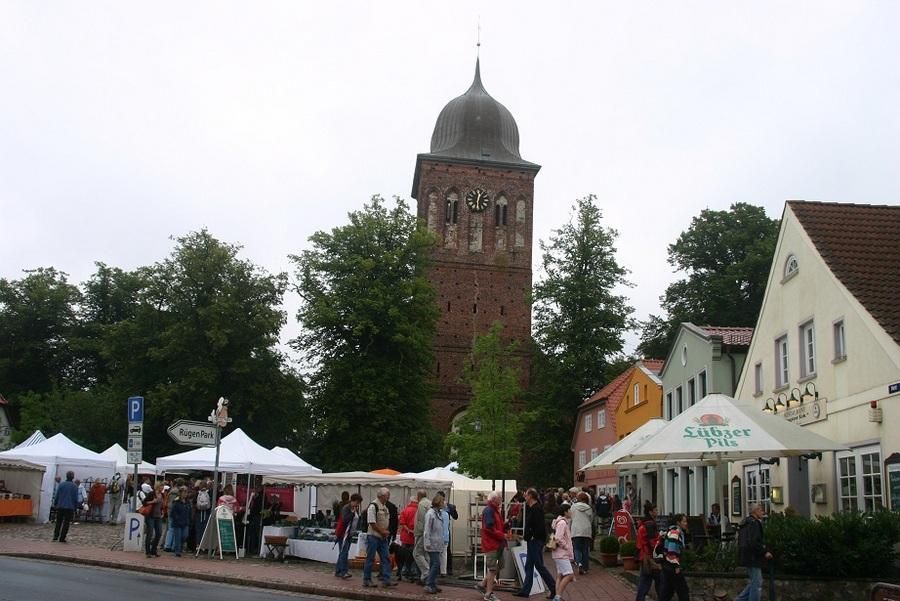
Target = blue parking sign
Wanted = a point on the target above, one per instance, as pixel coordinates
(136, 409)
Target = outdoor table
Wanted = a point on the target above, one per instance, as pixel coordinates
(324, 551)
(274, 531)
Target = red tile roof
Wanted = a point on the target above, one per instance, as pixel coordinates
(654, 365)
(615, 390)
(733, 336)
(861, 246)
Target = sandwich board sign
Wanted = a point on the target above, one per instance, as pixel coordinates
(219, 536)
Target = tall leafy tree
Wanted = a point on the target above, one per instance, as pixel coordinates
(580, 318)
(37, 315)
(486, 443)
(368, 315)
(726, 256)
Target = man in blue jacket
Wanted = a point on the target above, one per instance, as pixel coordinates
(66, 502)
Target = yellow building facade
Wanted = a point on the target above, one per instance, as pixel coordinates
(643, 398)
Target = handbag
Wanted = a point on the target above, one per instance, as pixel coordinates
(551, 542)
(145, 510)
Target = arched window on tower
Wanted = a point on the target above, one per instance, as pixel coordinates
(500, 211)
(451, 215)
(520, 223)
(452, 208)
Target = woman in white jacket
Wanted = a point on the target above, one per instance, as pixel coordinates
(563, 554)
(434, 542)
(582, 531)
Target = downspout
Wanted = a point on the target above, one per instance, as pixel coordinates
(733, 369)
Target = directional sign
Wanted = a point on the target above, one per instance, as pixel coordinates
(135, 443)
(136, 409)
(135, 457)
(193, 434)
(136, 429)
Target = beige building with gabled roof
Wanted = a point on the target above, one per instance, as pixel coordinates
(826, 355)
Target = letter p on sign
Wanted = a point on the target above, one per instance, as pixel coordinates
(136, 409)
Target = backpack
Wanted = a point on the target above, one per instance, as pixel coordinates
(203, 501)
(341, 527)
(364, 517)
(114, 487)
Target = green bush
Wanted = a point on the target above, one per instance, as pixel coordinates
(609, 544)
(628, 549)
(845, 545)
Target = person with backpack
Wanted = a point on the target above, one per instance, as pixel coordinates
(647, 540)
(752, 552)
(203, 504)
(115, 498)
(347, 524)
(180, 515)
(377, 539)
(673, 580)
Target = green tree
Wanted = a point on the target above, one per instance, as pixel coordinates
(726, 256)
(486, 443)
(579, 319)
(368, 315)
(37, 315)
(579, 324)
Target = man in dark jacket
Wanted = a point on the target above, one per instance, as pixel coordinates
(535, 539)
(66, 503)
(752, 552)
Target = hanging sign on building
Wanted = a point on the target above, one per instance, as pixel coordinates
(807, 413)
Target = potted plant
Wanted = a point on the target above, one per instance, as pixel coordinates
(628, 551)
(609, 551)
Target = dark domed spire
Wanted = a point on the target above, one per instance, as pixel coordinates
(474, 126)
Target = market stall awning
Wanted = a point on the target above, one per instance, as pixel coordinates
(36, 437)
(625, 446)
(720, 428)
(120, 456)
(238, 453)
(361, 479)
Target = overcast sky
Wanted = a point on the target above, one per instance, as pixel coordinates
(122, 124)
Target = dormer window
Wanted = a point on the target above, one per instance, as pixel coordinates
(791, 266)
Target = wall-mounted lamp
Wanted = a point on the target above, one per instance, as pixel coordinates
(810, 393)
(770, 406)
(780, 403)
(776, 495)
(796, 398)
(770, 461)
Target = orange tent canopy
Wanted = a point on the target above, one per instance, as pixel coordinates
(386, 471)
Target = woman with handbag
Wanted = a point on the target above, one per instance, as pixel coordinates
(152, 511)
(563, 554)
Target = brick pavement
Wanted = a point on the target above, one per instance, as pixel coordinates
(93, 544)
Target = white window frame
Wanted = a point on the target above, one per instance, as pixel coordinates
(808, 349)
(601, 418)
(691, 392)
(594, 453)
(758, 378)
(860, 479)
(588, 421)
(582, 459)
(840, 340)
(637, 394)
(791, 267)
(757, 487)
(669, 406)
(703, 385)
(679, 400)
(782, 362)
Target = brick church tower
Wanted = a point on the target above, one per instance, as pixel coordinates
(476, 193)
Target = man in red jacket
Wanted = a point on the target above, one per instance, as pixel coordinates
(493, 541)
(408, 568)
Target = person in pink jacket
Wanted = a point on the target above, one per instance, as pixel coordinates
(564, 553)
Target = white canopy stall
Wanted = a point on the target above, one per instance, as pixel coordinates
(36, 437)
(120, 456)
(22, 478)
(58, 455)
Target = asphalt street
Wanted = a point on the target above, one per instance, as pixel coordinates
(34, 580)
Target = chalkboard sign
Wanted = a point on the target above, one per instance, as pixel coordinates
(894, 485)
(226, 534)
(736, 504)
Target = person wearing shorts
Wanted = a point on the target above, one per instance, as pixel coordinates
(564, 553)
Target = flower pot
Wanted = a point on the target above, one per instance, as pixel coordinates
(630, 563)
(610, 560)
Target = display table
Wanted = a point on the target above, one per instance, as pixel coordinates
(323, 551)
(274, 531)
(15, 508)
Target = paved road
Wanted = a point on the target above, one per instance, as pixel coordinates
(33, 580)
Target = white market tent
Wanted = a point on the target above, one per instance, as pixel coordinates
(58, 455)
(720, 428)
(238, 453)
(23, 477)
(625, 446)
(302, 466)
(36, 437)
(120, 456)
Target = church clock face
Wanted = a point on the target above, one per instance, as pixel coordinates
(477, 200)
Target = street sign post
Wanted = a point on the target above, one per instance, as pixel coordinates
(193, 434)
(136, 409)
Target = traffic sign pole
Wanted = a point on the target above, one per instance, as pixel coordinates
(135, 411)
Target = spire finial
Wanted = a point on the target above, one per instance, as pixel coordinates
(478, 40)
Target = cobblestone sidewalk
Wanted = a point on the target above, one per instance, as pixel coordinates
(100, 545)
